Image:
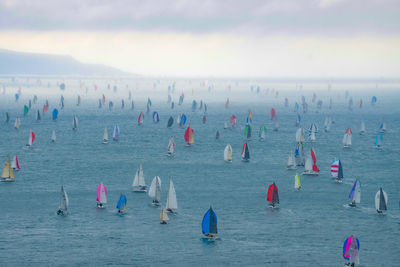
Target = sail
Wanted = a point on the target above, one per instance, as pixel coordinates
(247, 131)
(263, 132)
(291, 160)
(64, 201)
(272, 113)
(156, 118)
(15, 163)
(217, 135)
(362, 128)
(378, 139)
(26, 110)
(381, 200)
(189, 135)
(204, 119)
(347, 137)
(152, 190)
(140, 118)
(351, 249)
(297, 184)
(164, 215)
(116, 132)
(245, 151)
(308, 166)
(228, 153)
(17, 123)
(53, 136)
(209, 223)
(75, 122)
(272, 195)
(38, 118)
(55, 114)
(182, 120)
(121, 205)
(194, 105)
(105, 135)
(101, 194)
(7, 170)
(314, 167)
(300, 135)
(340, 171)
(355, 193)
(299, 155)
(31, 138)
(233, 120)
(45, 108)
(170, 122)
(171, 146)
(335, 168)
(172, 203)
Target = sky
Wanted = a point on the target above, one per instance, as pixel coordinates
(188, 38)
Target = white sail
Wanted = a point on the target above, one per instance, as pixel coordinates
(158, 190)
(362, 128)
(164, 215)
(64, 202)
(357, 193)
(312, 136)
(377, 198)
(17, 123)
(14, 163)
(75, 122)
(347, 140)
(139, 178)
(172, 203)
(309, 163)
(136, 179)
(228, 153)
(300, 135)
(116, 132)
(105, 135)
(103, 196)
(30, 140)
(152, 190)
(291, 160)
(53, 136)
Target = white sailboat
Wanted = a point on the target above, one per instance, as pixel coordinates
(15, 164)
(309, 166)
(347, 138)
(362, 128)
(139, 184)
(31, 139)
(228, 153)
(164, 216)
(17, 123)
(105, 136)
(312, 137)
(7, 174)
(300, 135)
(172, 203)
(291, 165)
(75, 123)
(116, 133)
(171, 147)
(53, 136)
(155, 190)
(64, 201)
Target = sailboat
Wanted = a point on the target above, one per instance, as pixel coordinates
(291, 165)
(209, 225)
(139, 184)
(297, 184)
(362, 128)
(7, 175)
(155, 191)
(233, 120)
(63, 207)
(171, 147)
(347, 138)
(299, 154)
(247, 131)
(273, 196)
(101, 197)
(38, 117)
(181, 120)
(382, 127)
(217, 135)
(327, 124)
(351, 249)
(355, 194)
(189, 136)
(156, 117)
(105, 136)
(300, 135)
(310, 167)
(378, 140)
(140, 118)
(7, 117)
(17, 123)
(172, 204)
(245, 152)
(262, 133)
(116, 133)
(228, 153)
(312, 136)
(75, 123)
(53, 136)
(31, 139)
(337, 171)
(15, 164)
(164, 216)
(121, 205)
(170, 122)
(54, 114)
(381, 199)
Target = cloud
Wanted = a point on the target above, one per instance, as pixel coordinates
(339, 17)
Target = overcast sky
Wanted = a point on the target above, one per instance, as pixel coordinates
(302, 38)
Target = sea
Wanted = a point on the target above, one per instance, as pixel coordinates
(308, 229)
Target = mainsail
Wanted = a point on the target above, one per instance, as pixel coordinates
(228, 153)
(355, 193)
(172, 203)
(381, 200)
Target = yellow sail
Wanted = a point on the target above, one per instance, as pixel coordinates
(191, 137)
(7, 170)
(163, 215)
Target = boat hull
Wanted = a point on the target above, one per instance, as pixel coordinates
(7, 180)
(139, 189)
(310, 173)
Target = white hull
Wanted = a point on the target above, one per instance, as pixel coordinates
(311, 173)
(346, 146)
(291, 168)
(339, 181)
(7, 180)
(139, 189)
(169, 154)
(154, 203)
(105, 142)
(228, 161)
(99, 206)
(245, 160)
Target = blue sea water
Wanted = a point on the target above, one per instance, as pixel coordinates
(309, 227)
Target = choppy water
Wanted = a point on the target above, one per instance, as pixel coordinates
(310, 226)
